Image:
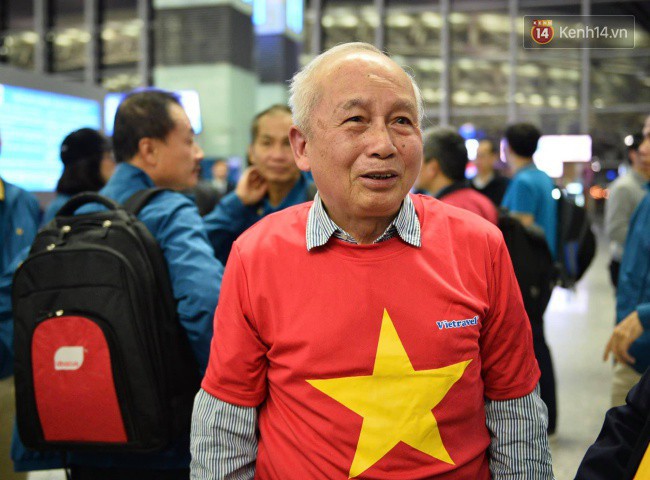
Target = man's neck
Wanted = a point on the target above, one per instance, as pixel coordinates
(439, 183)
(641, 172)
(521, 162)
(364, 230)
(277, 192)
(485, 177)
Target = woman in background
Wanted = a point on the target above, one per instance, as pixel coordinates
(87, 165)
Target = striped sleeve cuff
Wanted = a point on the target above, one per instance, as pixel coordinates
(519, 442)
(223, 443)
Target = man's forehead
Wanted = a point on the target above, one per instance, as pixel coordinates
(274, 121)
(646, 126)
(366, 102)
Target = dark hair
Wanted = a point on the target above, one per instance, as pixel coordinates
(447, 147)
(255, 125)
(494, 145)
(637, 140)
(522, 138)
(141, 115)
(81, 153)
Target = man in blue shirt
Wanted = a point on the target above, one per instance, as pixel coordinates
(272, 182)
(19, 219)
(529, 198)
(633, 297)
(154, 145)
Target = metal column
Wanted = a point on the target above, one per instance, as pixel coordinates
(513, 12)
(145, 14)
(585, 83)
(92, 24)
(380, 31)
(445, 56)
(316, 40)
(43, 47)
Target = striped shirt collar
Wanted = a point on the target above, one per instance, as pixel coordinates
(320, 227)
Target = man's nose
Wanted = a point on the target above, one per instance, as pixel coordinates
(198, 154)
(281, 151)
(381, 143)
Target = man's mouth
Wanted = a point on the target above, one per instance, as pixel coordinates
(379, 176)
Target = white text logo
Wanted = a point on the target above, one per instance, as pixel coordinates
(69, 358)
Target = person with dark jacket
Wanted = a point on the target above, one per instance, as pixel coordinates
(621, 450)
(443, 173)
(488, 180)
(87, 165)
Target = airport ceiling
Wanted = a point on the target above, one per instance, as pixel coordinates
(21, 12)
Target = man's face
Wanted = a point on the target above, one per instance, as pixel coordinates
(178, 156)
(220, 170)
(485, 158)
(365, 145)
(643, 157)
(271, 151)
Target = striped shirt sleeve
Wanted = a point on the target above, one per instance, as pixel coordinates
(519, 442)
(223, 441)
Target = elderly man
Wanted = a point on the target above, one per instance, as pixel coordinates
(371, 333)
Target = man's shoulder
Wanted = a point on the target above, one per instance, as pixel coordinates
(16, 193)
(436, 215)
(625, 183)
(282, 229)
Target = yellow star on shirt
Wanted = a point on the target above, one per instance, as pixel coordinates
(395, 402)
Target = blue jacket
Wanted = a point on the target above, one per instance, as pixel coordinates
(20, 217)
(634, 281)
(196, 281)
(531, 191)
(19, 220)
(230, 218)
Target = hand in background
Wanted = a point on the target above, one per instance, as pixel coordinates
(251, 186)
(624, 334)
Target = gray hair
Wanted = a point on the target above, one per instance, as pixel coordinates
(303, 93)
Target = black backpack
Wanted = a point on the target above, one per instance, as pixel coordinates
(576, 242)
(102, 363)
(532, 262)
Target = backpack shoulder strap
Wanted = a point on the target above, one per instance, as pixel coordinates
(136, 202)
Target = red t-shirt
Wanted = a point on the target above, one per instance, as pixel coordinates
(371, 361)
(471, 200)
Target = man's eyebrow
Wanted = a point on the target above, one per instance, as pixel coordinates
(359, 102)
(355, 102)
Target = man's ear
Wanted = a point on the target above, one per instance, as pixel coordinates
(298, 142)
(147, 151)
(432, 167)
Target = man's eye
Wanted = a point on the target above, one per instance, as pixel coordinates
(354, 119)
(403, 121)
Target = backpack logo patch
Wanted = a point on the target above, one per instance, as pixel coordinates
(69, 358)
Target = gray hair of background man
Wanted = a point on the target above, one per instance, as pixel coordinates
(447, 147)
(305, 93)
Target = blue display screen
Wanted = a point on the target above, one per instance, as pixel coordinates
(189, 101)
(33, 123)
